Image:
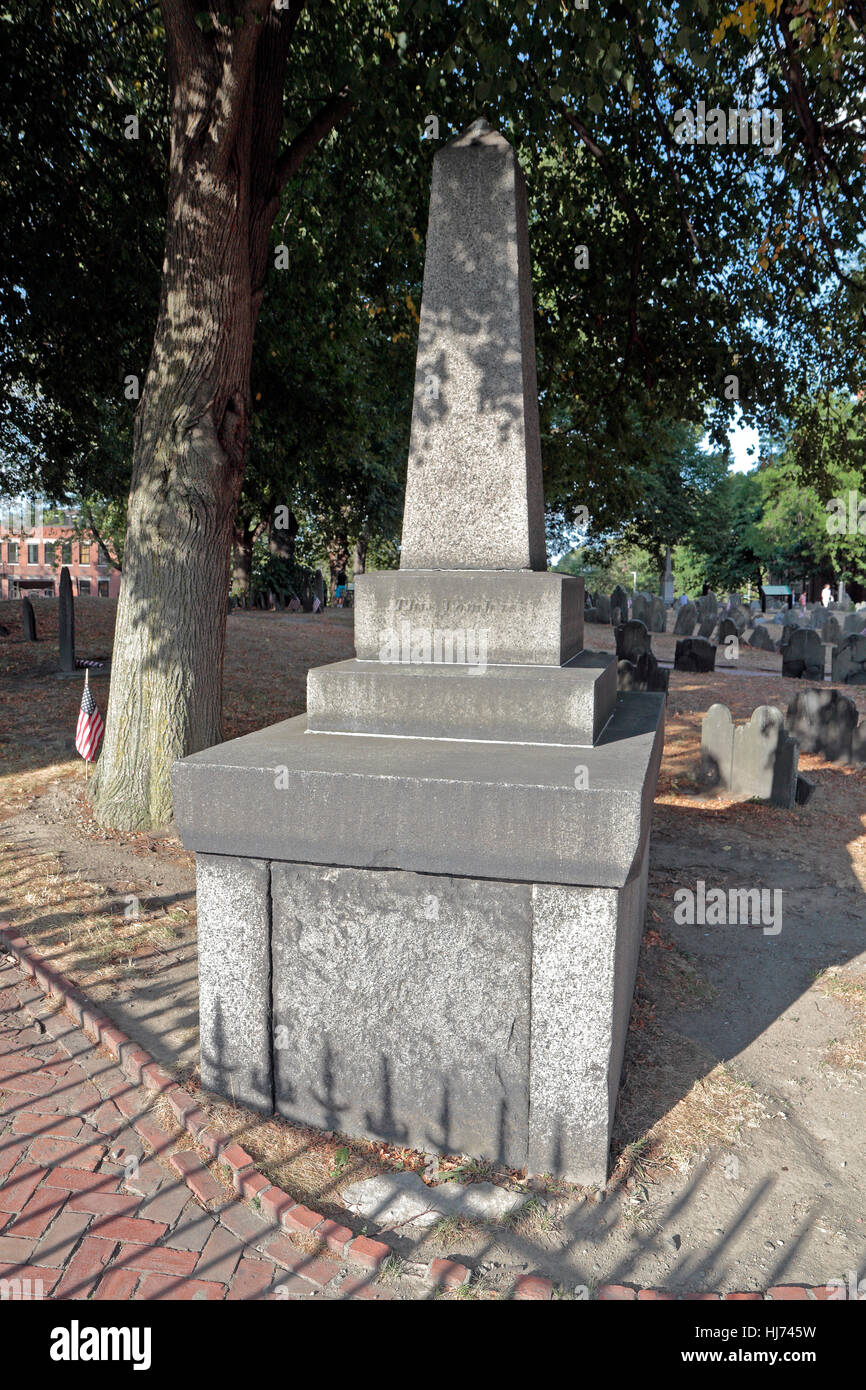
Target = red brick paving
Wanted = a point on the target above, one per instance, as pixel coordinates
(72, 1221)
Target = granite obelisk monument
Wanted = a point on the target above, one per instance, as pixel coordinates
(420, 904)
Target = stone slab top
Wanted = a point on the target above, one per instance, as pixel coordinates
(527, 812)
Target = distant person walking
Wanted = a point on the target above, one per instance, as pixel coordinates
(826, 595)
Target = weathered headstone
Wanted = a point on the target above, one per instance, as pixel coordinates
(382, 950)
(644, 673)
(737, 616)
(849, 660)
(710, 604)
(619, 599)
(641, 609)
(694, 654)
(823, 721)
(706, 626)
(687, 617)
(602, 605)
(29, 620)
(717, 747)
(66, 622)
(855, 623)
(760, 638)
(632, 638)
(765, 758)
(727, 628)
(831, 632)
(803, 657)
(319, 588)
(659, 614)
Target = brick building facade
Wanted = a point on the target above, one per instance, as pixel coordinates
(30, 563)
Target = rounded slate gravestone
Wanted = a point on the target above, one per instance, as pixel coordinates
(687, 617)
(642, 674)
(658, 615)
(803, 657)
(849, 661)
(765, 758)
(727, 629)
(695, 654)
(823, 721)
(29, 620)
(632, 638)
(602, 604)
(707, 625)
(831, 632)
(717, 746)
(619, 599)
(641, 609)
(760, 638)
(738, 618)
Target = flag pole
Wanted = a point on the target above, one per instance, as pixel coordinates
(86, 685)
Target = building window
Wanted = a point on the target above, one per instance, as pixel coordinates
(49, 552)
(102, 588)
(12, 552)
(84, 552)
(66, 553)
(101, 555)
(33, 552)
(84, 586)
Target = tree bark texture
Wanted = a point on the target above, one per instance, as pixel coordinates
(192, 422)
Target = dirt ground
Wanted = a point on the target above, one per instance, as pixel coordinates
(736, 1158)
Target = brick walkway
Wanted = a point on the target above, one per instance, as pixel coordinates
(74, 1222)
(97, 1200)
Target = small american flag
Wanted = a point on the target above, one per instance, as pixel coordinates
(88, 734)
(317, 603)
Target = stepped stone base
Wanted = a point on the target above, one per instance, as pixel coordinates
(512, 704)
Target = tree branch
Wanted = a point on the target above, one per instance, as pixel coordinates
(338, 105)
(233, 90)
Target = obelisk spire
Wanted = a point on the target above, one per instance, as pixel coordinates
(473, 493)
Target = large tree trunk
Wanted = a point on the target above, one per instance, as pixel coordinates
(192, 422)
